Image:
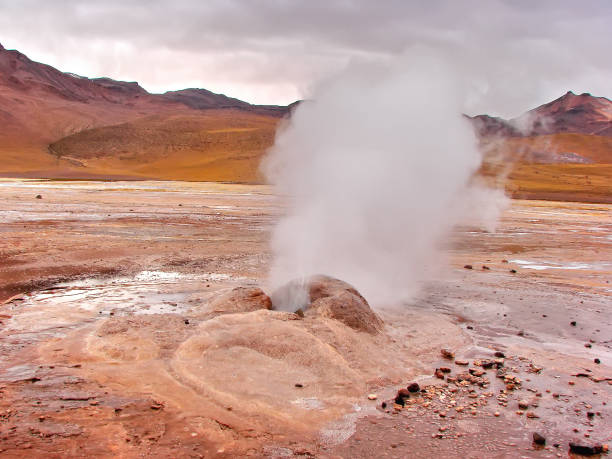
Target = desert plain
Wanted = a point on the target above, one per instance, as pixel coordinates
(120, 336)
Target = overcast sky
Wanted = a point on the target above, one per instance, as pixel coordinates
(273, 51)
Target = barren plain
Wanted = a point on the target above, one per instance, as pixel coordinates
(114, 344)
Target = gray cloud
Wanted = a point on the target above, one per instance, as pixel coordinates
(522, 52)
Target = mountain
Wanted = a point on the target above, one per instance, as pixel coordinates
(570, 113)
(40, 106)
(561, 150)
(60, 125)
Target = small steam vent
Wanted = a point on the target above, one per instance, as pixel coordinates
(326, 296)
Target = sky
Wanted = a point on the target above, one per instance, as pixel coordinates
(521, 53)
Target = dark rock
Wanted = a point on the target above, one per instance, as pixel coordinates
(596, 360)
(585, 450)
(414, 387)
(38, 196)
(404, 393)
(468, 266)
(573, 323)
(447, 353)
(383, 405)
(487, 363)
(399, 400)
(500, 354)
(445, 369)
(486, 268)
(298, 385)
(538, 439)
(588, 345)
(521, 333)
(186, 321)
(513, 271)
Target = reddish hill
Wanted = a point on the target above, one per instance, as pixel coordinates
(571, 113)
(41, 105)
(55, 124)
(560, 150)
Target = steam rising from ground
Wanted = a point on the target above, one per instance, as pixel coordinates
(377, 166)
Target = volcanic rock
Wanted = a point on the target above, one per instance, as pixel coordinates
(538, 439)
(585, 450)
(414, 387)
(447, 353)
(404, 393)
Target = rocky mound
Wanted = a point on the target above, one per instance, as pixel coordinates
(324, 296)
(241, 299)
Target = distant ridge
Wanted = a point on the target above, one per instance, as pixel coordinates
(61, 125)
(570, 113)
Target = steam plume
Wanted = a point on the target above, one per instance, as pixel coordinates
(377, 168)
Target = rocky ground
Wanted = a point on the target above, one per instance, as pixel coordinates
(123, 334)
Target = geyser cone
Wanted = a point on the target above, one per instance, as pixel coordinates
(325, 296)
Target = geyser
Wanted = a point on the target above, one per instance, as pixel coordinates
(377, 168)
(324, 296)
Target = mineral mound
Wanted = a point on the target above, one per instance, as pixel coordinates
(324, 296)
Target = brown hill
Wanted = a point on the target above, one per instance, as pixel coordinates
(213, 145)
(41, 105)
(55, 124)
(579, 114)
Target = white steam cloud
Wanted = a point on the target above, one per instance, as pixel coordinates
(377, 167)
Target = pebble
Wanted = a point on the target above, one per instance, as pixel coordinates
(538, 439)
(468, 266)
(413, 387)
(372, 397)
(447, 353)
(586, 450)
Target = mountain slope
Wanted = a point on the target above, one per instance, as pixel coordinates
(215, 145)
(571, 113)
(39, 106)
(55, 124)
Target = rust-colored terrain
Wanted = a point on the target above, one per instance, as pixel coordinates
(60, 125)
(559, 151)
(132, 325)
(56, 124)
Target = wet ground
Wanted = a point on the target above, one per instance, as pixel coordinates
(105, 287)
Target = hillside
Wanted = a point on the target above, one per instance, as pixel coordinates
(40, 106)
(59, 125)
(561, 150)
(215, 145)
